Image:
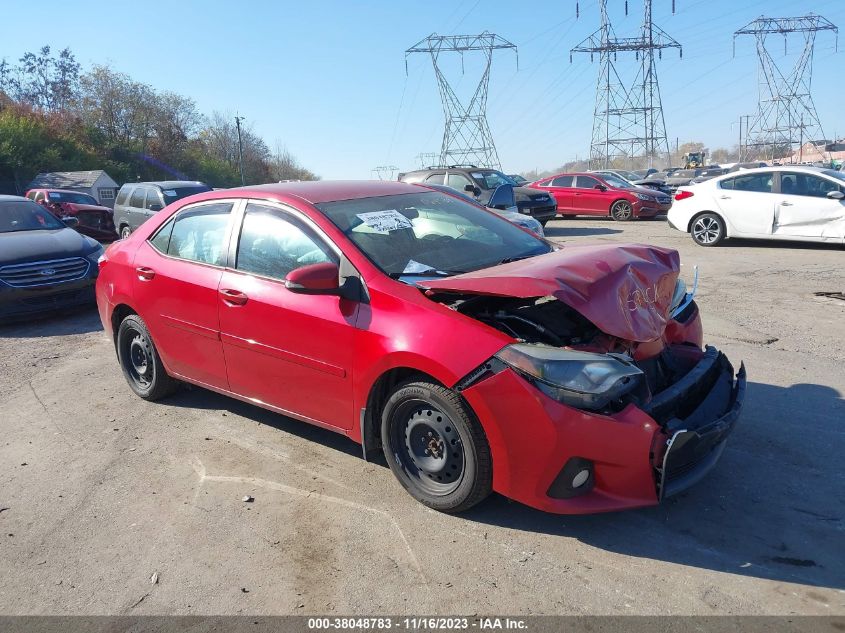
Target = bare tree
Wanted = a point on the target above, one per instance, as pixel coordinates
(284, 166)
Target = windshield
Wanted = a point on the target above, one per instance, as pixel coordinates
(616, 181)
(629, 175)
(177, 193)
(71, 196)
(23, 215)
(430, 234)
(834, 174)
(490, 178)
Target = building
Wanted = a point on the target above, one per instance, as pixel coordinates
(96, 183)
(820, 151)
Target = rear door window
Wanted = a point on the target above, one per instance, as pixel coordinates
(200, 233)
(760, 183)
(435, 179)
(137, 199)
(562, 181)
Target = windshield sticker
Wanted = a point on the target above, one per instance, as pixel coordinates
(385, 221)
(477, 175)
(169, 192)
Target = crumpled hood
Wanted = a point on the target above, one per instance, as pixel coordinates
(623, 289)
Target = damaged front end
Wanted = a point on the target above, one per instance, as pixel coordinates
(586, 420)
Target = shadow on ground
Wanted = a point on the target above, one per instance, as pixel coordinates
(75, 321)
(771, 509)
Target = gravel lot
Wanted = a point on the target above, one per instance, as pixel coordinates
(100, 491)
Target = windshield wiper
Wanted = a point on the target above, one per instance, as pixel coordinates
(508, 260)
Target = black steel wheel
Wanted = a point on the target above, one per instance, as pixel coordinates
(622, 211)
(140, 361)
(707, 229)
(436, 447)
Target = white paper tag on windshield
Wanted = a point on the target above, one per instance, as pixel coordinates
(415, 267)
(386, 221)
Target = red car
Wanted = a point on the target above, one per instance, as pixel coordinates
(95, 220)
(606, 194)
(474, 354)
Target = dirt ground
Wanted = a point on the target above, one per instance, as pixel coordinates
(101, 491)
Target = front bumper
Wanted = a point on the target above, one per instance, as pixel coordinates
(16, 303)
(638, 456)
(540, 213)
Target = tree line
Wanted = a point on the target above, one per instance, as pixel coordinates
(56, 117)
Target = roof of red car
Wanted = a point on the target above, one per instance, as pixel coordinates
(318, 191)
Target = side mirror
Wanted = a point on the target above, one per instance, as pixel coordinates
(600, 187)
(469, 188)
(71, 222)
(835, 195)
(314, 279)
(503, 198)
(155, 207)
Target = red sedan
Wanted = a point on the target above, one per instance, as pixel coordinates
(603, 195)
(473, 354)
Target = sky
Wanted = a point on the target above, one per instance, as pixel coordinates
(327, 78)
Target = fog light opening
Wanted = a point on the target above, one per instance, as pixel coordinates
(576, 478)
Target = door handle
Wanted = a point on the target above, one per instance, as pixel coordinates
(233, 297)
(785, 204)
(724, 197)
(144, 273)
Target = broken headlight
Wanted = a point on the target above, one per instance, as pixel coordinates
(580, 379)
(680, 297)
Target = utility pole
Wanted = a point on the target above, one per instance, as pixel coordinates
(784, 98)
(627, 118)
(466, 137)
(238, 120)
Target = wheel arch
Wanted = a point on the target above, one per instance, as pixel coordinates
(120, 312)
(378, 394)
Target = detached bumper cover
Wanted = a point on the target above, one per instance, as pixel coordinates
(639, 455)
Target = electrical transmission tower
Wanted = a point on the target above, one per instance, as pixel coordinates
(466, 137)
(786, 114)
(384, 172)
(628, 119)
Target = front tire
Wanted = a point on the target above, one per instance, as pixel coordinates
(125, 232)
(140, 362)
(707, 229)
(622, 211)
(436, 447)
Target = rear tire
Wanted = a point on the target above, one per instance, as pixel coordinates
(125, 232)
(436, 447)
(707, 229)
(140, 362)
(622, 211)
